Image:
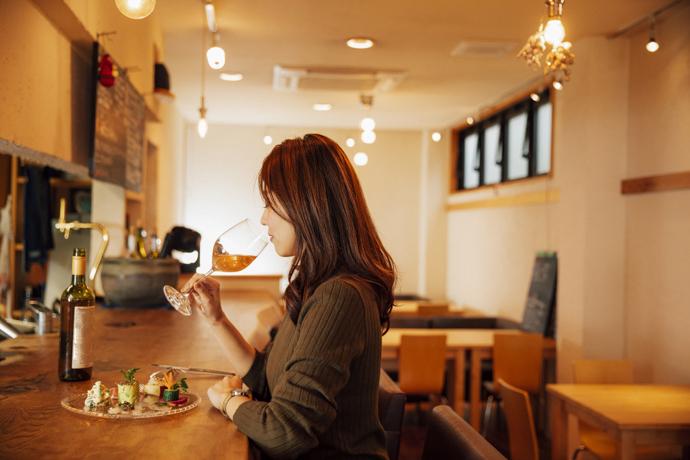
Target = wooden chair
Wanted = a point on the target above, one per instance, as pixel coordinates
(450, 437)
(522, 436)
(432, 308)
(391, 413)
(517, 359)
(421, 366)
(593, 439)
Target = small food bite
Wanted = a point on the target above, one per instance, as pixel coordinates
(173, 386)
(97, 396)
(128, 390)
(155, 385)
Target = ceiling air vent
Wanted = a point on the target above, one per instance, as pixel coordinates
(484, 48)
(287, 78)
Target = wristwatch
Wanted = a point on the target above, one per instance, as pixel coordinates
(234, 392)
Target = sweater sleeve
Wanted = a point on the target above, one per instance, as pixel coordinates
(303, 403)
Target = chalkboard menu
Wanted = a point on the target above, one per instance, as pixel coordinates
(539, 315)
(118, 138)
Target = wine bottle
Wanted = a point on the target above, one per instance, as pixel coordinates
(78, 307)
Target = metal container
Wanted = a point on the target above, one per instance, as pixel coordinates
(137, 283)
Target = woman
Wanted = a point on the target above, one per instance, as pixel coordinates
(316, 384)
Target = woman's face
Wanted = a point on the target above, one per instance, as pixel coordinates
(281, 231)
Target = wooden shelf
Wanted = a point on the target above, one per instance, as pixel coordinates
(70, 183)
(659, 183)
(134, 196)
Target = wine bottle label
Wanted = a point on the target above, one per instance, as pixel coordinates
(82, 344)
(78, 265)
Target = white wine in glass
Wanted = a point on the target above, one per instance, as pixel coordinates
(234, 250)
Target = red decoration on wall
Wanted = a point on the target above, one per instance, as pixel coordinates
(106, 73)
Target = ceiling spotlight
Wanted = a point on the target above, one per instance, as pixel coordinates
(215, 54)
(322, 107)
(135, 9)
(557, 85)
(210, 16)
(268, 140)
(368, 137)
(231, 76)
(350, 142)
(367, 124)
(360, 43)
(469, 121)
(436, 136)
(361, 158)
(535, 97)
(652, 45)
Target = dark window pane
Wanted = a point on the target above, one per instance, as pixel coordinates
(518, 146)
(492, 154)
(471, 161)
(544, 138)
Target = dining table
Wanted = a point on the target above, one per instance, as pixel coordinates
(633, 415)
(33, 423)
(462, 345)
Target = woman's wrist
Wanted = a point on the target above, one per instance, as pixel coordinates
(231, 404)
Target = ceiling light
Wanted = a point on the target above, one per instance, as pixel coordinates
(215, 54)
(368, 137)
(436, 136)
(268, 140)
(231, 76)
(545, 49)
(652, 45)
(535, 97)
(361, 158)
(350, 142)
(360, 43)
(469, 121)
(136, 9)
(557, 85)
(202, 125)
(210, 16)
(367, 124)
(322, 107)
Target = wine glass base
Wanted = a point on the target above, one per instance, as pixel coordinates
(179, 301)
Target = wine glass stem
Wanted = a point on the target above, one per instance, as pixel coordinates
(205, 275)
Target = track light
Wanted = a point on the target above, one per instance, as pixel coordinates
(652, 45)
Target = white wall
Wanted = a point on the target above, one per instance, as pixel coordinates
(221, 188)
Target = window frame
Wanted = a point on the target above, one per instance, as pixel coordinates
(501, 113)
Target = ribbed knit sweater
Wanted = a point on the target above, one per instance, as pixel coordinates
(316, 384)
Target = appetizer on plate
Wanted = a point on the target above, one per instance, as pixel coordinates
(155, 385)
(128, 390)
(97, 397)
(171, 393)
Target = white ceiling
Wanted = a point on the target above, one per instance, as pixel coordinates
(412, 35)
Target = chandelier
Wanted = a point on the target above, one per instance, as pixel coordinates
(547, 50)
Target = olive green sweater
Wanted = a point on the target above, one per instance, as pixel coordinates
(316, 384)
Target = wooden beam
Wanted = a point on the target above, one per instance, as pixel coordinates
(659, 183)
(549, 196)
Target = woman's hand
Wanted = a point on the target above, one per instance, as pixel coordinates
(204, 295)
(217, 392)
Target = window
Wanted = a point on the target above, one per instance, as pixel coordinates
(514, 143)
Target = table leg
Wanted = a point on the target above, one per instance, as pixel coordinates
(625, 450)
(559, 427)
(475, 393)
(458, 402)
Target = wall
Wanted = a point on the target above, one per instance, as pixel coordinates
(221, 173)
(658, 224)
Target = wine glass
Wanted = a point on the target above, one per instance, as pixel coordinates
(234, 250)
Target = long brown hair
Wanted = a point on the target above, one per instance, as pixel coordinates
(315, 183)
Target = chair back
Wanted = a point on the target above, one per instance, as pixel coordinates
(522, 436)
(391, 413)
(602, 371)
(450, 437)
(432, 309)
(518, 359)
(422, 363)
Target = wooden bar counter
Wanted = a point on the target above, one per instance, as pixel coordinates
(34, 425)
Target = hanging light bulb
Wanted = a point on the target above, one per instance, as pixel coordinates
(361, 158)
(268, 140)
(350, 142)
(436, 136)
(215, 55)
(557, 85)
(368, 137)
(554, 32)
(652, 45)
(136, 9)
(202, 125)
(367, 124)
